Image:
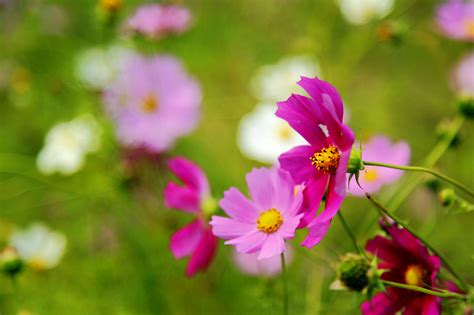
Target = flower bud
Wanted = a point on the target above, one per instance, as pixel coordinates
(10, 261)
(353, 272)
(466, 107)
(393, 31)
(447, 197)
(355, 165)
(209, 206)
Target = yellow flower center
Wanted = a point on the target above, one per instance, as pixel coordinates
(326, 160)
(37, 264)
(284, 132)
(149, 104)
(270, 221)
(370, 175)
(414, 275)
(110, 5)
(469, 28)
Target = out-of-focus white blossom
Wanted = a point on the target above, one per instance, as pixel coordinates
(276, 82)
(40, 247)
(97, 68)
(263, 137)
(67, 144)
(363, 11)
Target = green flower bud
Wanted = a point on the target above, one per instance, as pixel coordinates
(355, 165)
(466, 107)
(10, 261)
(209, 206)
(353, 272)
(447, 197)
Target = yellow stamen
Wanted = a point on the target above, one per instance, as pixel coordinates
(370, 175)
(149, 104)
(469, 27)
(414, 275)
(270, 221)
(326, 160)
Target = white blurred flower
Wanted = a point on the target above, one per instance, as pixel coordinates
(67, 144)
(276, 82)
(249, 264)
(97, 68)
(40, 247)
(364, 11)
(263, 137)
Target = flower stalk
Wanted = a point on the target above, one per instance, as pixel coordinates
(382, 210)
(285, 284)
(443, 294)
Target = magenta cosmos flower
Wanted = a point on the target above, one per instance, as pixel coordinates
(156, 20)
(262, 224)
(153, 102)
(456, 19)
(406, 261)
(321, 164)
(195, 239)
(380, 149)
(464, 76)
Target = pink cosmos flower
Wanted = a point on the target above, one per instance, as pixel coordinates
(380, 149)
(155, 20)
(195, 239)
(153, 102)
(464, 76)
(456, 19)
(269, 267)
(322, 164)
(262, 224)
(407, 261)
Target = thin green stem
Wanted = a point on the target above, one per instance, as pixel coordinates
(443, 294)
(285, 284)
(351, 234)
(425, 170)
(463, 284)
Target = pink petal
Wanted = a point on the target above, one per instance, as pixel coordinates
(288, 228)
(316, 234)
(296, 205)
(185, 240)
(274, 245)
(260, 183)
(249, 243)
(384, 303)
(190, 174)
(237, 206)
(182, 198)
(297, 162)
(284, 187)
(313, 194)
(203, 254)
(386, 250)
(228, 228)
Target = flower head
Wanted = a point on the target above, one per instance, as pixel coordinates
(405, 260)
(40, 247)
(153, 103)
(195, 239)
(67, 144)
(456, 19)
(156, 20)
(363, 11)
(380, 149)
(262, 224)
(464, 76)
(251, 265)
(263, 137)
(321, 164)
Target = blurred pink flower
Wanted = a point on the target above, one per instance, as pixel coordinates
(322, 164)
(464, 76)
(456, 19)
(269, 267)
(153, 102)
(262, 224)
(155, 20)
(380, 149)
(405, 260)
(195, 239)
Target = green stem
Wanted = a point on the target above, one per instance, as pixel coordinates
(443, 294)
(351, 234)
(425, 170)
(285, 284)
(463, 284)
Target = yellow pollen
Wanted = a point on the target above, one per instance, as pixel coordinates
(284, 132)
(110, 5)
(370, 175)
(469, 28)
(149, 104)
(270, 221)
(414, 275)
(326, 160)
